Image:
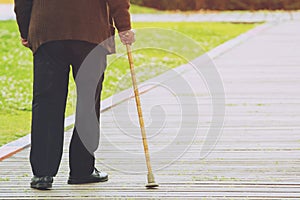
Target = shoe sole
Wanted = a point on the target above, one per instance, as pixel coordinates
(42, 186)
(74, 182)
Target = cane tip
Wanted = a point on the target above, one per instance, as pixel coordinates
(152, 185)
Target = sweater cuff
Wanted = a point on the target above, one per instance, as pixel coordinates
(122, 29)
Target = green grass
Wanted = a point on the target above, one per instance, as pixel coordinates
(16, 65)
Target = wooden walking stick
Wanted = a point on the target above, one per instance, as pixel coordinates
(151, 182)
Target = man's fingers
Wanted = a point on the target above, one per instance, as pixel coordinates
(25, 42)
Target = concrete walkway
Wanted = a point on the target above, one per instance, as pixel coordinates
(7, 13)
(235, 16)
(258, 153)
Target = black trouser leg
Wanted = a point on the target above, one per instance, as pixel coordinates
(89, 78)
(51, 76)
(82, 160)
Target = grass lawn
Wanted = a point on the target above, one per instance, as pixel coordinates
(16, 68)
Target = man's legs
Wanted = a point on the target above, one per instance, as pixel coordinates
(51, 76)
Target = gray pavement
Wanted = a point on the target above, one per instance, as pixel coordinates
(245, 17)
(256, 157)
(7, 12)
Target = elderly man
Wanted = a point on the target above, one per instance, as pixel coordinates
(61, 33)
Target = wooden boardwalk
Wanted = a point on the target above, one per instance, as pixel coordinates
(256, 157)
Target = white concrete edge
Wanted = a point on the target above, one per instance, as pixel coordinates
(110, 102)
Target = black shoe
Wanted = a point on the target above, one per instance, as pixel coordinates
(41, 183)
(95, 177)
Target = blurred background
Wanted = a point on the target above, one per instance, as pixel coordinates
(220, 4)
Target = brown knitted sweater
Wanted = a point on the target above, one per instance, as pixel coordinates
(41, 21)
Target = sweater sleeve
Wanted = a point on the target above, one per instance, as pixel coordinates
(119, 11)
(23, 13)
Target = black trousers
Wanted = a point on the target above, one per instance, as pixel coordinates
(52, 63)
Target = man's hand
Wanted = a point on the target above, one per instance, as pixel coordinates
(25, 42)
(127, 37)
